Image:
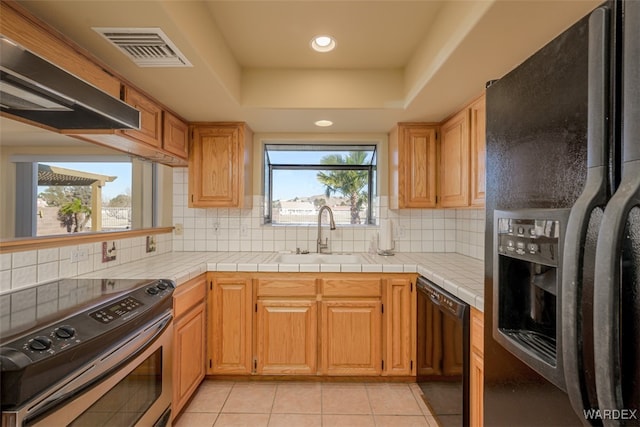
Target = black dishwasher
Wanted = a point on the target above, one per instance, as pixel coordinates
(443, 353)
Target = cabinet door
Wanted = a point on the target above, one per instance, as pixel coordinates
(351, 338)
(454, 161)
(189, 355)
(217, 173)
(229, 330)
(412, 166)
(150, 131)
(476, 369)
(176, 135)
(287, 337)
(399, 319)
(478, 151)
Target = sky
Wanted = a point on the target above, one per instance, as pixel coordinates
(289, 184)
(121, 185)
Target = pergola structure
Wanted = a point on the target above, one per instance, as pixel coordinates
(57, 176)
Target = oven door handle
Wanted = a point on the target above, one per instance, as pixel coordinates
(101, 366)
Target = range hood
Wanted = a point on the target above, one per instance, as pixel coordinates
(37, 90)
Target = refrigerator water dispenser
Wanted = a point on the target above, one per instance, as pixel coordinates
(528, 252)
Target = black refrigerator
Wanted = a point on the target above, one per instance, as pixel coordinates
(562, 245)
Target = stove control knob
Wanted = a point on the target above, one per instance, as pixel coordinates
(162, 286)
(40, 343)
(65, 332)
(152, 291)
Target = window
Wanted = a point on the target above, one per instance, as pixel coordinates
(82, 196)
(300, 179)
(66, 195)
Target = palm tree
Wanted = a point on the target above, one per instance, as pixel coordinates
(349, 183)
(74, 215)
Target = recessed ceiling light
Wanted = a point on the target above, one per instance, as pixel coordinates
(323, 43)
(324, 123)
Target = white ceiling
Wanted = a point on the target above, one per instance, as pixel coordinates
(394, 61)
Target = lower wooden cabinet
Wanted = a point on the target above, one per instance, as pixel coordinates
(286, 336)
(351, 338)
(476, 369)
(188, 340)
(399, 327)
(230, 321)
(307, 324)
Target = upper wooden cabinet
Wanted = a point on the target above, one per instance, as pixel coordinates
(158, 128)
(175, 135)
(150, 131)
(220, 165)
(462, 157)
(454, 161)
(412, 166)
(478, 150)
(442, 165)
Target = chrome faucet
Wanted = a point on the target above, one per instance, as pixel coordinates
(322, 247)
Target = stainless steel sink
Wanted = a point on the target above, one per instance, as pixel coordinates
(319, 259)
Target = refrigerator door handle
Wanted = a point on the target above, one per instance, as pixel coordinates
(593, 196)
(607, 315)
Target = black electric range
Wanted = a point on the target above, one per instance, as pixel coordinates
(51, 330)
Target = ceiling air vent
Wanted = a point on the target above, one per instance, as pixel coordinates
(147, 47)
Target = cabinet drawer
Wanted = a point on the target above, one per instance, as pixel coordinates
(188, 295)
(287, 287)
(351, 288)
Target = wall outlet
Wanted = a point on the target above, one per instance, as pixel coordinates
(83, 255)
(79, 255)
(151, 244)
(216, 228)
(178, 229)
(108, 251)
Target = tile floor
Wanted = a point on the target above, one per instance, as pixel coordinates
(300, 404)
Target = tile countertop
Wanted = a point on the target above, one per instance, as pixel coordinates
(458, 274)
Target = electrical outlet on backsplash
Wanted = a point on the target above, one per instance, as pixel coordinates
(415, 230)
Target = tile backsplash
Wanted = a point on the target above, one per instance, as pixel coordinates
(231, 230)
(26, 268)
(414, 230)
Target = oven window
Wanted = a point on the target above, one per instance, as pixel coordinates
(125, 403)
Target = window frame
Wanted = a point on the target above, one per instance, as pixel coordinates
(144, 175)
(371, 168)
